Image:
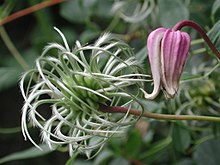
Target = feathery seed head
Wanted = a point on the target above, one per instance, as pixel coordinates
(63, 92)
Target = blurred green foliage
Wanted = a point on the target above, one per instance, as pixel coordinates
(149, 141)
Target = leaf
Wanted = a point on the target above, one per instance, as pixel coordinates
(142, 55)
(88, 35)
(103, 9)
(181, 138)
(26, 154)
(171, 12)
(215, 6)
(6, 8)
(77, 10)
(216, 129)
(156, 148)
(9, 76)
(12, 70)
(120, 161)
(103, 156)
(10, 130)
(82, 162)
(152, 106)
(185, 161)
(72, 159)
(208, 153)
(133, 144)
(44, 20)
(214, 34)
(115, 144)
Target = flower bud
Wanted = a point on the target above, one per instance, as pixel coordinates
(167, 52)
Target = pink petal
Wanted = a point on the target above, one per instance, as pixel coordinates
(182, 55)
(175, 47)
(154, 50)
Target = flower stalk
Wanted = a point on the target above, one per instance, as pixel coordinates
(11, 47)
(198, 28)
(28, 10)
(116, 109)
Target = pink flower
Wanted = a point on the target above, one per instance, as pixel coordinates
(167, 52)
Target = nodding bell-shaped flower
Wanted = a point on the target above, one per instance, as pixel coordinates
(167, 52)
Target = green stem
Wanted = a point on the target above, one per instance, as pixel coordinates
(199, 51)
(197, 41)
(157, 147)
(13, 49)
(116, 109)
(10, 130)
(113, 23)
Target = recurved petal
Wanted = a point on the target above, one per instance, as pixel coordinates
(154, 54)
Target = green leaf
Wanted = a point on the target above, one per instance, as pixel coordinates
(185, 162)
(142, 55)
(181, 138)
(26, 154)
(82, 162)
(216, 129)
(214, 34)
(77, 10)
(12, 70)
(133, 144)
(103, 9)
(152, 106)
(9, 76)
(215, 6)
(120, 161)
(6, 8)
(72, 159)
(115, 144)
(88, 35)
(156, 148)
(171, 12)
(208, 153)
(103, 156)
(44, 20)
(10, 130)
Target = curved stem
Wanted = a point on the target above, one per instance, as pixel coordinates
(116, 109)
(29, 10)
(113, 23)
(194, 25)
(11, 47)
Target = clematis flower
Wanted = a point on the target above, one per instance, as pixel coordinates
(64, 91)
(167, 52)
